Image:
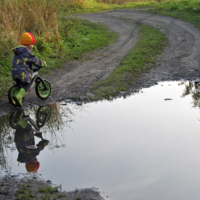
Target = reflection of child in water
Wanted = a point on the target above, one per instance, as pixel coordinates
(24, 137)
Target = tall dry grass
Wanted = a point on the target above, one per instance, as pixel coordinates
(36, 16)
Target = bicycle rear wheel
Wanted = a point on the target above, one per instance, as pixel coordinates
(11, 92)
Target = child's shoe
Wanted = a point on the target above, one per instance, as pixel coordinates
(19, 97)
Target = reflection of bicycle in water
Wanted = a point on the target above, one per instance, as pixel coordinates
(26, 128)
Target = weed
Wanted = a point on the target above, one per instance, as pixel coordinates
(2, 184)
(89, 58)
(48, 189)
(60, 195)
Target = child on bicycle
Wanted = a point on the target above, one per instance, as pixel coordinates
(23, 61)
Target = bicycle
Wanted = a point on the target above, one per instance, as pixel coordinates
(43, 115)
(42, 88)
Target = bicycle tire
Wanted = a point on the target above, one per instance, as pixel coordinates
(41, 92)
(40, 115)
(11, 92)
(12, 124)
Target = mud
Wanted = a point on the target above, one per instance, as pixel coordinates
(180, 60)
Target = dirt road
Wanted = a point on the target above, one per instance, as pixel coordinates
(180, 60)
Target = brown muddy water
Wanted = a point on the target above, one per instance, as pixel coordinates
(146, 146)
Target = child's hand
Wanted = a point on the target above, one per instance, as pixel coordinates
(46, 142)
(45, 64)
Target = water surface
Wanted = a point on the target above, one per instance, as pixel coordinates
(146, 146)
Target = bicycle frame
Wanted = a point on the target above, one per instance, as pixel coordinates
(36, 79)
(42, 87)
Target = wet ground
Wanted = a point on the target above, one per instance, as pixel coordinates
(145, 146)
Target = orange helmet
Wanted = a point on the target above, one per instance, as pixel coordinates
(27, 39)
(32, 167)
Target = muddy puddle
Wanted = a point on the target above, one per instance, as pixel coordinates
(145, 146)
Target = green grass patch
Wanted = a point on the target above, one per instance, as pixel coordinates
(78, 38)
(48, 189)
(187, 10)
(141, 59)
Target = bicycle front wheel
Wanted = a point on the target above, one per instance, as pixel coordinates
(43, 115)
(40, 90)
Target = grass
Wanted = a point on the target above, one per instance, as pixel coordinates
(48, 189)
(187, 10)
(141, 59)
(48, 192)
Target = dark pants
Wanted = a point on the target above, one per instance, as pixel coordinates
(26, 86)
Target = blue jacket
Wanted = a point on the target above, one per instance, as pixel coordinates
(23, 61)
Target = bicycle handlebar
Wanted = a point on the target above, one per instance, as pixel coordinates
(35, 69)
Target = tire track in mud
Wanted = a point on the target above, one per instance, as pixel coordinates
(180, 60)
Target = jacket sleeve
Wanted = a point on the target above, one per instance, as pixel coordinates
(35, 60)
